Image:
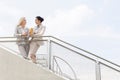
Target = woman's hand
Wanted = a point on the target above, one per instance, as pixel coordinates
(31, 35)
(24, 34)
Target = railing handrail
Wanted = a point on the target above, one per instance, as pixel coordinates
(71, 46)
(15, 37)
(87, 56)
(86, 51)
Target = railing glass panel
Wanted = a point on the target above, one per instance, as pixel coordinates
(42, 53)
(82, 66)
(108, 73)
(12, 46)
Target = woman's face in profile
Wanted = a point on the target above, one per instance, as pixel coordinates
(24, 22)
(37, 21)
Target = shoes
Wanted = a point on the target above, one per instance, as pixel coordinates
(26, 58)
(33, 58)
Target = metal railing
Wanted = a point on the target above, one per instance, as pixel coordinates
(52, 59)
(86, 51)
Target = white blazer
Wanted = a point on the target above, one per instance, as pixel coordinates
(38, 31)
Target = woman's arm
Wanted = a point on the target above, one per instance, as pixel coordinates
(16, 34)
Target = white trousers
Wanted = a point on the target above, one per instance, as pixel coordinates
(33, 48)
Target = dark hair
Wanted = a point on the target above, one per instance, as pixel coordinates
(40, 18)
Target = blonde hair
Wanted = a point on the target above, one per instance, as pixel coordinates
(20, 21)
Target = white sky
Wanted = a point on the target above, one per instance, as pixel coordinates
(90, 24)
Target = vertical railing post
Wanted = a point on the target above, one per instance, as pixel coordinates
(53, 64)
(49, 54)
(98, 72)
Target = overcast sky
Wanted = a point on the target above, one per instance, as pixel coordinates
(90, 24)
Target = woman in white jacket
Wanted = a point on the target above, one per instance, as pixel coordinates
(38, 31)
